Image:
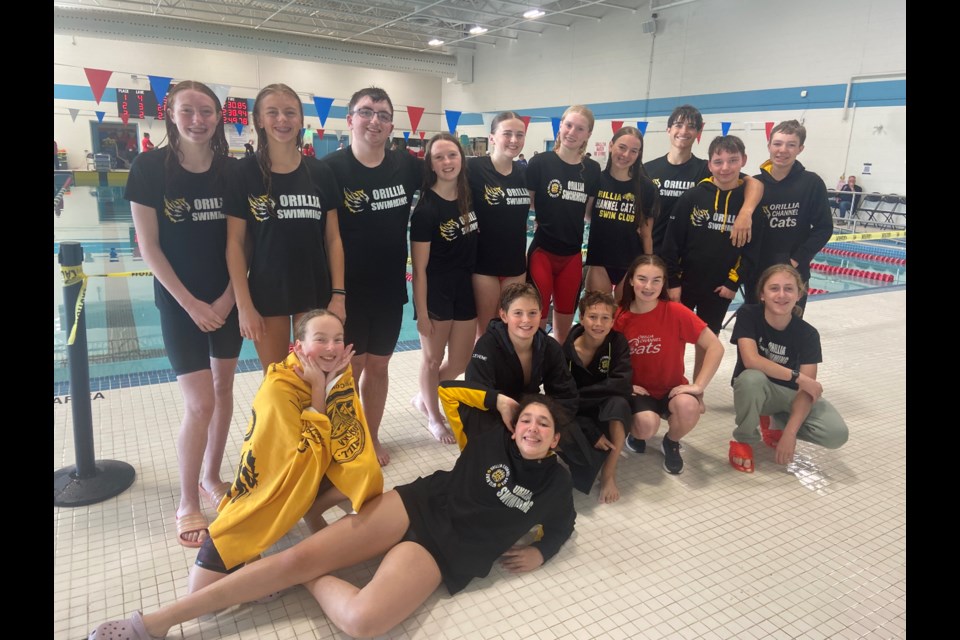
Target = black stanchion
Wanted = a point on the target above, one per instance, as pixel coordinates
(89, 481)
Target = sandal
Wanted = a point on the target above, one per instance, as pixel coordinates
(190, 523)
(771, 437)
(743, 451)
(215, 495)
(130, 629)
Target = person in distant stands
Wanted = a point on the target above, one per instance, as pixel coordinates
(146, 144)
(849, 201)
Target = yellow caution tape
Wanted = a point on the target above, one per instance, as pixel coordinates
(873, 235)
(73, 275)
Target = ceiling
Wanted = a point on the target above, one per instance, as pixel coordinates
(397, 24)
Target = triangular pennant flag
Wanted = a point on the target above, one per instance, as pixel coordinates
(422, 134)
(323, 108)
(617, 125)
(415, 114)
(642, 126)
(724, 128)
(453, 117)
(406, 136)
(556, 126)
(100, 115)
(239, 127)
(160, 85)
(73, 114)
(318, 134)
(769, 126)
(748, 126)
(487, 120)
(526, 122)
(700, 133)
(98, 79)
(125, 117)
(221, 91)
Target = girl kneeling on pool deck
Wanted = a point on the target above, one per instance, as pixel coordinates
(658, 331)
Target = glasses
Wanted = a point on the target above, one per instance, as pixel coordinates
(367, 114)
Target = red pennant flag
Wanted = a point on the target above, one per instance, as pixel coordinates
(318, 134)
(422, 134)
(125, 117)
(701, 133)
(98, 79)
(616, 124)
(769, 126)
(526, 122)
(415, 114)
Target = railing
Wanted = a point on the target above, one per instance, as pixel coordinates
(881, 210)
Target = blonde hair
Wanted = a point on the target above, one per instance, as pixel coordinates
(584, 111)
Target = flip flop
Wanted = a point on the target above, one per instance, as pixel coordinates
(771, 437)
(743, 451)
(215, 495)
(130, 629)
(188, 524)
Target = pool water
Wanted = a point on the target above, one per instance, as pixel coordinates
(123, 324)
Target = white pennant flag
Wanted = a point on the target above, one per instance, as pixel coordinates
(487, 120)
(221, 91)
(73, 114)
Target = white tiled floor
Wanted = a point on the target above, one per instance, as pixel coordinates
(816, 550)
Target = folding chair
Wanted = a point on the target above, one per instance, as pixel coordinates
(868, 205)
(888, 208)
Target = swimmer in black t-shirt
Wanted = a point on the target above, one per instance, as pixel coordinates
(443, 247)
(287, 206)
(498, 188)
(176, 197)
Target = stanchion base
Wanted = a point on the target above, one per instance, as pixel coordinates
(112, 478)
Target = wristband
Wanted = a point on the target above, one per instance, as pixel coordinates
(336, 291)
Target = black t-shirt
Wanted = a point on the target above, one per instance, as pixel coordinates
(502, 204)
(672, 180)
(796, 345)
(374, 213)
(614, 241)
(192, 228)
(289, 272)
(561, 191)
(452, 237)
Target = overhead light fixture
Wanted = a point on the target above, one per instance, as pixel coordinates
(436, 42)
(477, 30)
(532, 14)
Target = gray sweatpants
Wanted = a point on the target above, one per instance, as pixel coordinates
(754, 395)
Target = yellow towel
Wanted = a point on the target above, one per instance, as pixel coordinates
(287, 450)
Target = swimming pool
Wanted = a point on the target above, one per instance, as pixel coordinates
(123, 325)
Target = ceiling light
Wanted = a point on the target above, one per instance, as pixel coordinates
(533, 13)
(477, 30)
(436, 42)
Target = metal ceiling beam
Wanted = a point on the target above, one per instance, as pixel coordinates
(144, 28)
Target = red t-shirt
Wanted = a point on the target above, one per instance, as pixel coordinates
(146, 144)
(657, 341)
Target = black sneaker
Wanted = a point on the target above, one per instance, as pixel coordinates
(672, 461)
(635, 444)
